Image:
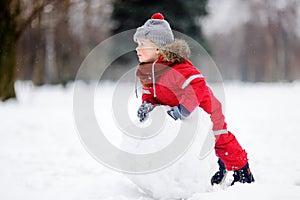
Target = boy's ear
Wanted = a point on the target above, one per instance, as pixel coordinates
(158, 51)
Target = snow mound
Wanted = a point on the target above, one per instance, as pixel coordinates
(186, 176)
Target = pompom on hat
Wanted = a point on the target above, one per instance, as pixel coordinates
(156, 29)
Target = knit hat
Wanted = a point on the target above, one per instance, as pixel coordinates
(155, 29)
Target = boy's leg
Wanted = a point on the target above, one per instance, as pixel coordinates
(230, 151)
(233, 157)
(227, 147)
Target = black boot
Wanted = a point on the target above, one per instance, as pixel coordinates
(220, 175)
(243, 175)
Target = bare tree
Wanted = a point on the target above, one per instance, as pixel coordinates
(15, 17)
(58, 40)
(263, 45)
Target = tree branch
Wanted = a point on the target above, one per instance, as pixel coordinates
(36, 11)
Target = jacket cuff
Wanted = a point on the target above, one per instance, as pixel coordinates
(181, 111)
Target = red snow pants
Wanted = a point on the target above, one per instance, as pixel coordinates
(227, 148)
(230, 151)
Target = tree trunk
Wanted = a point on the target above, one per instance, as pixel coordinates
(7, 54)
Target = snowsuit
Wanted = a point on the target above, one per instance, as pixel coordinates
(174, 81)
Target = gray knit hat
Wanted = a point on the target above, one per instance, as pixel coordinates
(155, 29)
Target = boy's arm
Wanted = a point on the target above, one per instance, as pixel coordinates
(148, 96)
(191, 92)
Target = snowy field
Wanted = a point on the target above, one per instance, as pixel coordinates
(41, 156)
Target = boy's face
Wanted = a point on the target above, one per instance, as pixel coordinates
(147, 51)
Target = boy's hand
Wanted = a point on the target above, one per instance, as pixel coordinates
(174, 113)
(178, 112)
(143, 110)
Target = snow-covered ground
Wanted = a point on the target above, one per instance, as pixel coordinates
(41, 156)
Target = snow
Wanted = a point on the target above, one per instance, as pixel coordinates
(42, 157)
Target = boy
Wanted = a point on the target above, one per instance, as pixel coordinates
(169, 78)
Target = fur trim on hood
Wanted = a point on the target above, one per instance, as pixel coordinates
(177, 51)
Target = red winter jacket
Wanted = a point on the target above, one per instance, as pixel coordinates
(179, 83)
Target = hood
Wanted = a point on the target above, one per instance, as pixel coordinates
(177, 51)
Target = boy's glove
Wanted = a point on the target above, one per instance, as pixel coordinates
(178, 112)
(143, 110)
